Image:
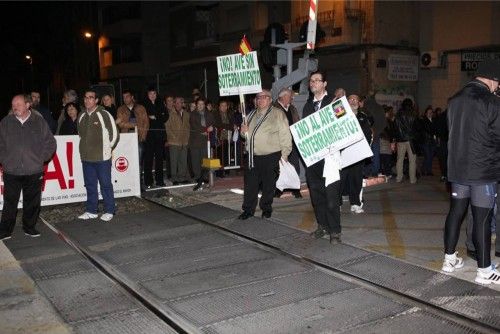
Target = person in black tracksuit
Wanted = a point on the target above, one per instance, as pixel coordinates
(473, 168)
(351, 177)
(155, 139)
(325, 200)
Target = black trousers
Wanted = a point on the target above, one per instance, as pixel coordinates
(482, 199)
(351, 179)
(325, 200)
(442, 153)
(495, 222)
(262, 176)
(31, 186)
(155, 142)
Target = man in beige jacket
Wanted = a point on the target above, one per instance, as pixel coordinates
(268, 140)
(132, 114)
(178, 128)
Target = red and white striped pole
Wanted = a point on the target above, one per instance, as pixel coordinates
(311, 28)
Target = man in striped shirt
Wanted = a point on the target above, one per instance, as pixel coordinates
(98, 136)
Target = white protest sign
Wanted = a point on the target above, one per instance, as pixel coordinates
(329, 129)
(354, 153)
(238, 74)
(63, 177)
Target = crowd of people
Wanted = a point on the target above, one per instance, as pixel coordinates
(183, 134)
(172, 132)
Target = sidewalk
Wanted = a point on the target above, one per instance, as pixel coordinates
(22, 308)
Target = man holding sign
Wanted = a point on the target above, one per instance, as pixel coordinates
(325, 199)
(268, 139)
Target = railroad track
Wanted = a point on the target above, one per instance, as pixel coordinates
(178, 321)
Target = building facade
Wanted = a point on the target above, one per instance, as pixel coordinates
(370, 47)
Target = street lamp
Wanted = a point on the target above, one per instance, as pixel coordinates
(89, 36)
(28, 57)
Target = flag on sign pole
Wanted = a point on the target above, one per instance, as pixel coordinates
(245, 46)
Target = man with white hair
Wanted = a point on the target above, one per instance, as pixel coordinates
(339, 92)
(284, 102)
(26, 142)
(268, 139)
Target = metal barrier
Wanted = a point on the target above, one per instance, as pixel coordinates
(231, 152)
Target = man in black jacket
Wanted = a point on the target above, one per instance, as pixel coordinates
(47, 115)
(351, 177)
(26, 142)
(404, 123)
(473, 168)
(155, 139)
(325, 199)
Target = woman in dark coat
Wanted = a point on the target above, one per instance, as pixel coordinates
(69, 125)
(429, 140)
(107, 101)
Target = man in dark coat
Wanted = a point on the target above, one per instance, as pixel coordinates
(473, 168)
(26, 142)
(351, 177)
(155, 139)
(325, 199)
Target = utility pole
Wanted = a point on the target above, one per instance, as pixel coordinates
(306, 64)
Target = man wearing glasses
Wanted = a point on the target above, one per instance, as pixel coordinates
(325, 199)
(98, 136)
(268, 139)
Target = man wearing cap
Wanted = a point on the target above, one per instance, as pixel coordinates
(473, 168)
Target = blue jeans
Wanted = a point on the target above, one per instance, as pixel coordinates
(94, 171)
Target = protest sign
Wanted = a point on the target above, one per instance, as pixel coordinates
(329, 129)
(63, 177)
(356, 152)
(238, 74)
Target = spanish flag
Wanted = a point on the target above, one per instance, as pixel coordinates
(245, 46)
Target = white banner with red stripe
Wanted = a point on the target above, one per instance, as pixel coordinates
(63, 177)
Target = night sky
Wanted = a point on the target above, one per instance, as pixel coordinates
(50, 33)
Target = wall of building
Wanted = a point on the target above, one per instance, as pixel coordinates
(449, 27)
(360, 38)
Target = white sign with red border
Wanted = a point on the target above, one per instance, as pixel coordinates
(63, 177)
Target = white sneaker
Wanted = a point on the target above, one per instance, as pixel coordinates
(449, 265)
(493, 276)
(357, 208)
(107, 217)
(87, 215)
